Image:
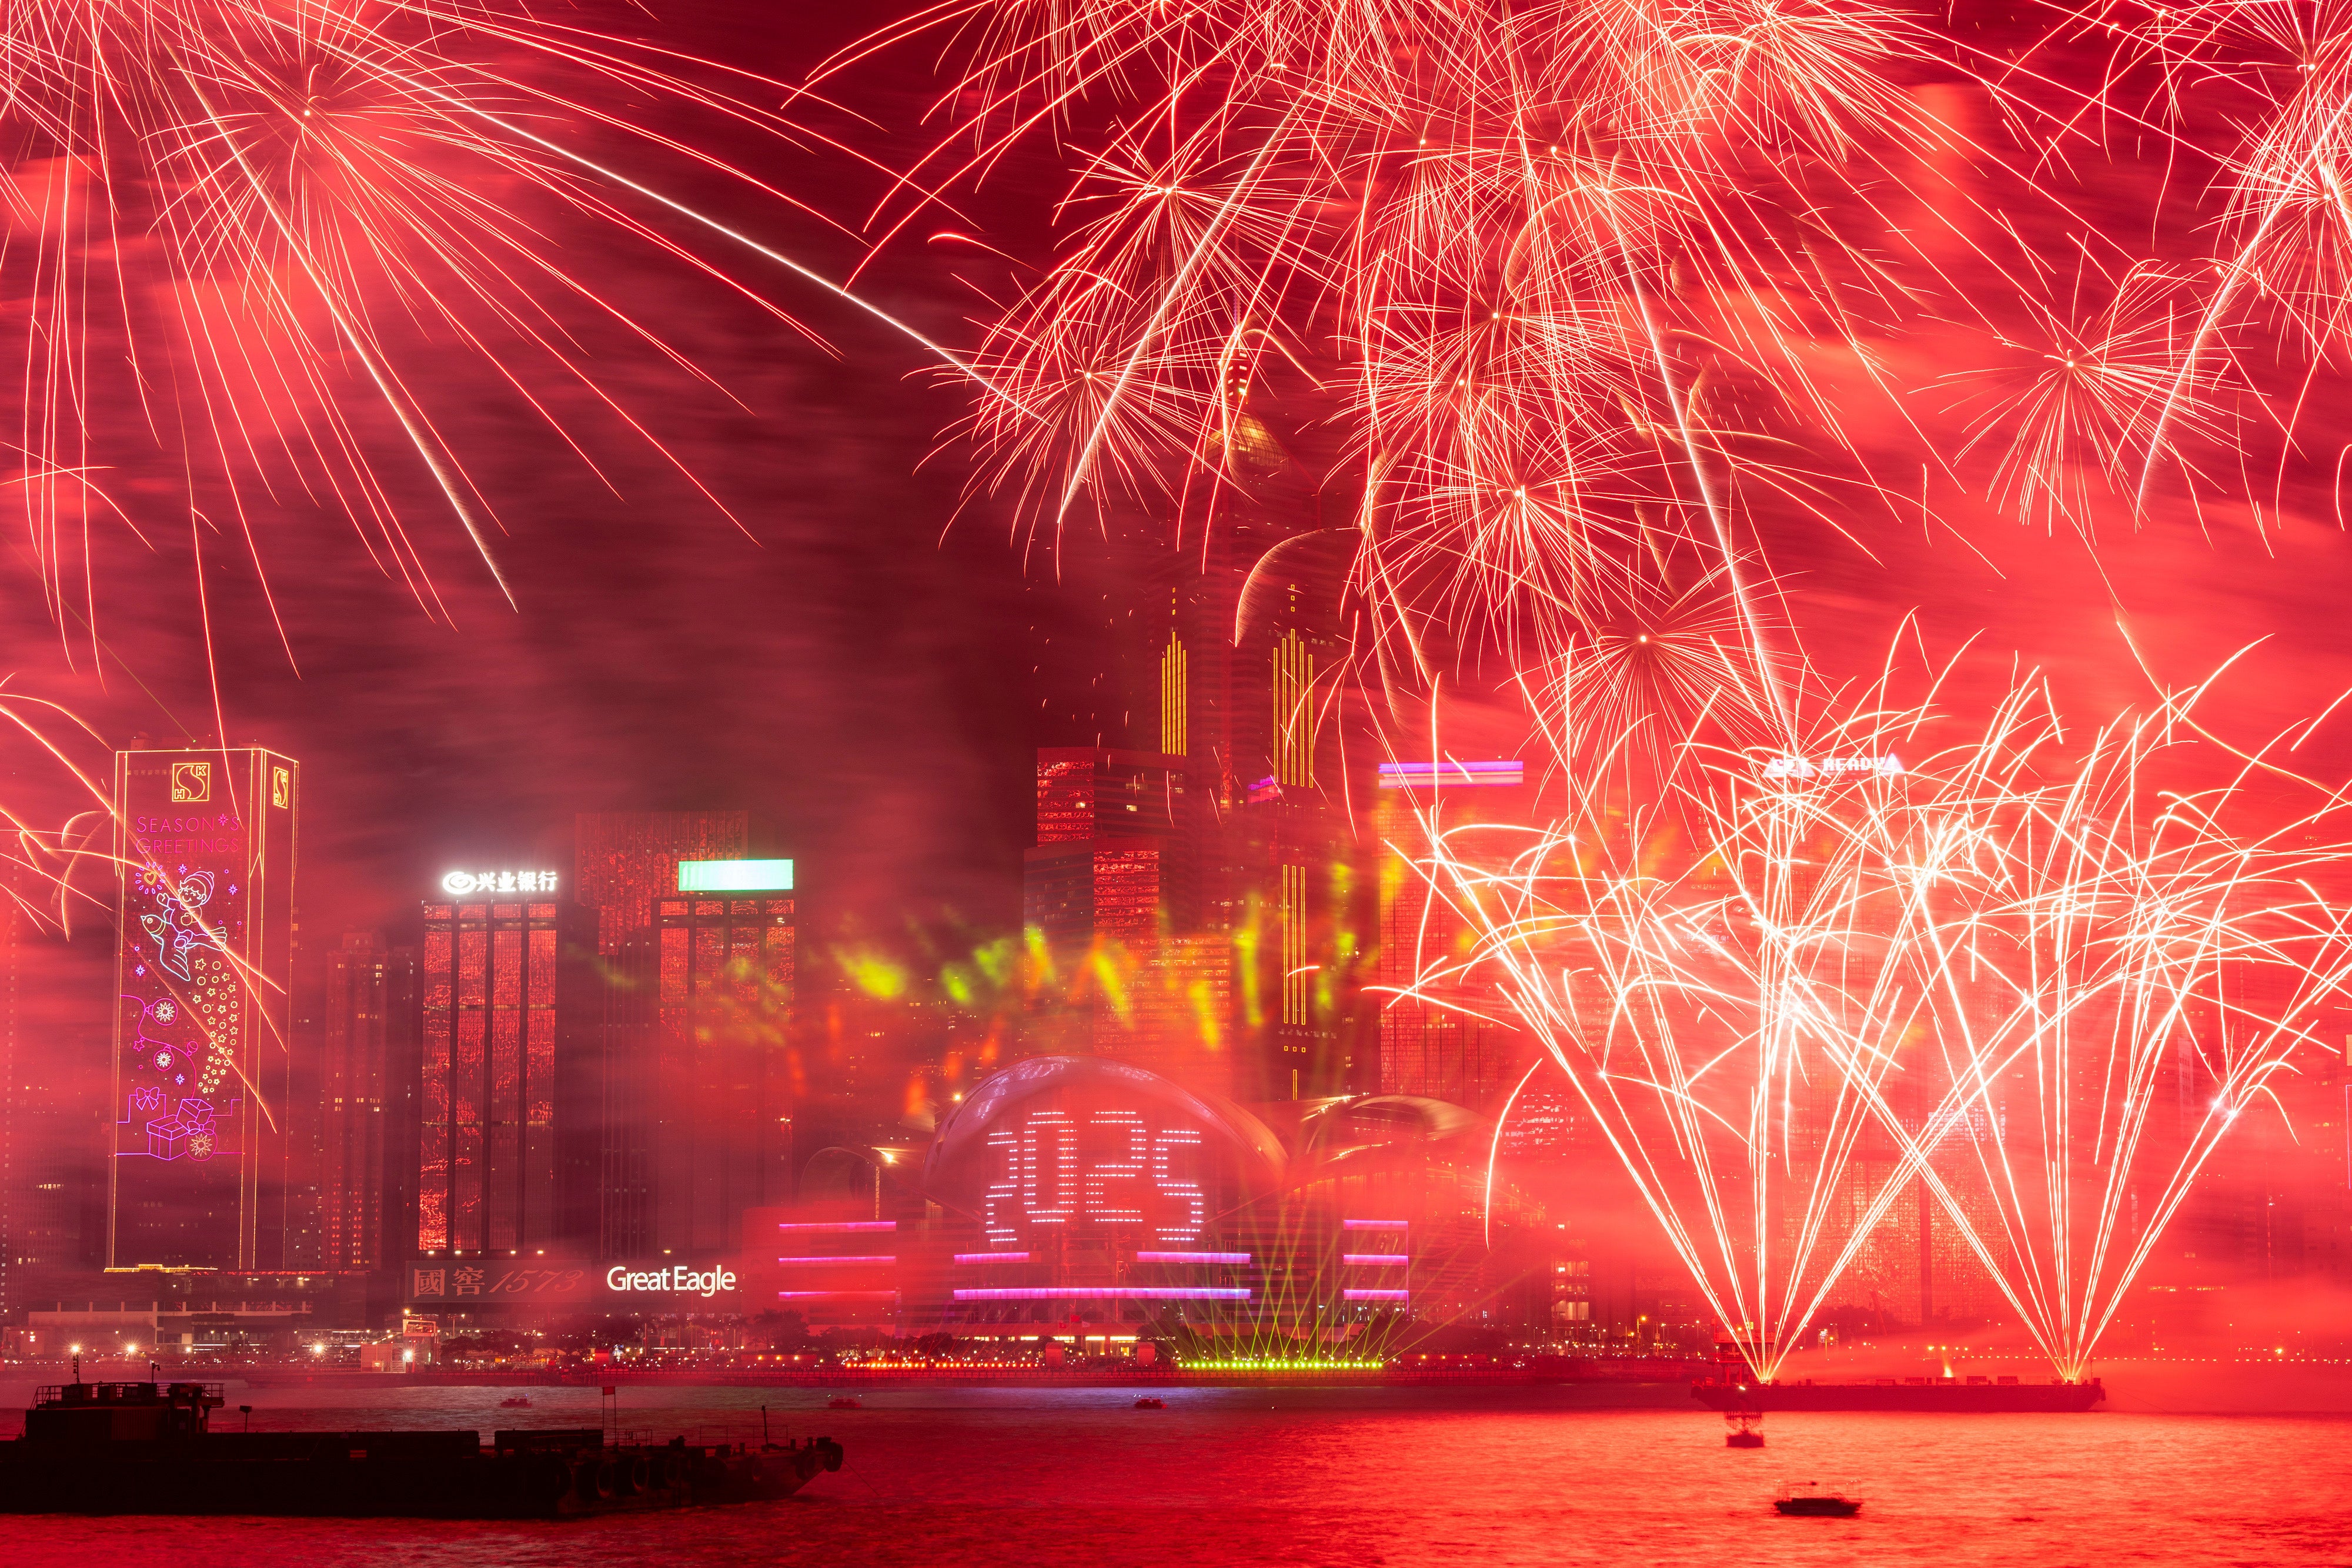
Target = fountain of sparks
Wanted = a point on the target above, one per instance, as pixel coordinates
(1796, 987)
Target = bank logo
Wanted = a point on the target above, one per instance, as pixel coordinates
(281, 787)
(192, 781)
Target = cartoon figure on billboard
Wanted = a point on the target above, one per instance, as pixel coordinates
(175, 924)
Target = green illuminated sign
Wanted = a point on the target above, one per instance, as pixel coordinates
(734, 876)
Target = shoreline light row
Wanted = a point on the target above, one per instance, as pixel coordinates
(1107, 1293)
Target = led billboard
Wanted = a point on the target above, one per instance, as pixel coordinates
(205, 848)
(734, 876)
(1058, 1152)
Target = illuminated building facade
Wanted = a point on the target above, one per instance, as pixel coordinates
(1279, 864)
(1114, 857)
(696, 1113)
(205, 846)
(1112, 889)
(366, 1034)
(834, 1271)
(1438, 1051)
(512, 1009)
(1226, 926)
(623, 861)
(1226, 665)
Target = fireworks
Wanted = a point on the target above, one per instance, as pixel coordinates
(1560, 280)
(1572, 307)
(1803, 983)
(249, 236)
(1542, 295)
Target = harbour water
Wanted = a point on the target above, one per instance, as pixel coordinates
(1034, 1479)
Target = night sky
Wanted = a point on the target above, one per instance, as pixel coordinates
(869, 657)
(844, 662)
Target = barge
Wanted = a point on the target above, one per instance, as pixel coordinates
(1975, 1396)
(149, 1447)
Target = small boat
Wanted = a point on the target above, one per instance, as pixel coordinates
(1148, 1403)
(1809, 1501)
(845, 1402)
(1744, 1433)
(515, 1402)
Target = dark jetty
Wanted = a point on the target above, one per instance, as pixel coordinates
(1976, 1396)
(148, 1448)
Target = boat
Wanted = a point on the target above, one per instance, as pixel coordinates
(1952, 1395)
(1148, 1403)
(148, 1448)
(1810, 1501)
(515, 1402)
(845, 1402)
(1747, 1426)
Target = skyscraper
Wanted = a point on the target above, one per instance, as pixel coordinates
(507, 1141)
(1112, 887)
(1243, 660)
(623, 861)
(368, 1006)
(696, 1115)
(1116, 853)
(205, 843)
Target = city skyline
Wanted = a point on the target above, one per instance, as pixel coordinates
(1145, 749)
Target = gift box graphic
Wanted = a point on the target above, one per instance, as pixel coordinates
(188, 1131)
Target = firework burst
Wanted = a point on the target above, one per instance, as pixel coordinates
(249, 237)
(1554, 287)
(1807, 983)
